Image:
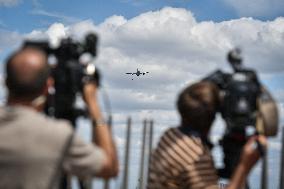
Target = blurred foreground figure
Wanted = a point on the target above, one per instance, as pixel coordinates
(35, 149)
(182, 158)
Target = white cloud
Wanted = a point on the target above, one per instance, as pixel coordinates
(257, 7)
(170, 44)
(9, 3)
(177, 49)
(53, 34)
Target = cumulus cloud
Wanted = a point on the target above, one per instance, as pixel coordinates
(53, 34)
(257, 7)
(9, 3)
(171, 45)
(177, 49)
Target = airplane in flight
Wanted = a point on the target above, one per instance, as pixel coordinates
(138, 73)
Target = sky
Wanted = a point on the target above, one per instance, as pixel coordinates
(177, 41)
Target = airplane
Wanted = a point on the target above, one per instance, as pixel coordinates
(138, 73)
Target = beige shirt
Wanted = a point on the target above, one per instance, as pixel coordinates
(31, 145)
(181, 162)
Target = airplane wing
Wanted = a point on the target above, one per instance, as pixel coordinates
(128, 73)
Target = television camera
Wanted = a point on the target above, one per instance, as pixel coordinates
(69, 74)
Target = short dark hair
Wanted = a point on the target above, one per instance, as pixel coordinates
(24, 88)
(197, 105)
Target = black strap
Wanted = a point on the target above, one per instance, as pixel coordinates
(59, 166)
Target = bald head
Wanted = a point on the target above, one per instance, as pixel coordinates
(27, 72)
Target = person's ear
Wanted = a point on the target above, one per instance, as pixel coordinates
(50, 82)
(48, 85)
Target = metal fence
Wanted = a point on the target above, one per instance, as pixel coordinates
(145, 155)
(146, 149)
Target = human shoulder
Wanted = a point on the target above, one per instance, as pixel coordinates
(59, 126)
(175, 134)
(171, 133)
(38, 121)
(174, 138)
(177, 149)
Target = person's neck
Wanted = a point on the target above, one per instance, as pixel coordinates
(188, 128)
(23, 102)
(189, 131)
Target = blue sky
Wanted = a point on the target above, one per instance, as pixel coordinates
(177, 45)
(26, 15)
(31, 12)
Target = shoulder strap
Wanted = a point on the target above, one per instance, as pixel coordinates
(59, 166)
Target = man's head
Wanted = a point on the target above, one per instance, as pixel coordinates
(27, 72)
(197, 105)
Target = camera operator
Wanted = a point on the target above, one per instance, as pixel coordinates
(182, 158)
(35, 149)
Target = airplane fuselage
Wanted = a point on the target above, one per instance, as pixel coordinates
(137, 73)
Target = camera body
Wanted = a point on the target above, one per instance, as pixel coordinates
(239, 106)
(69, 74)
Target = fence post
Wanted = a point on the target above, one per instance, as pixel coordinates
(142, 161)
(282, 162)
(150, 140)
(109, 122)
(126, 157)
(150, 144)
